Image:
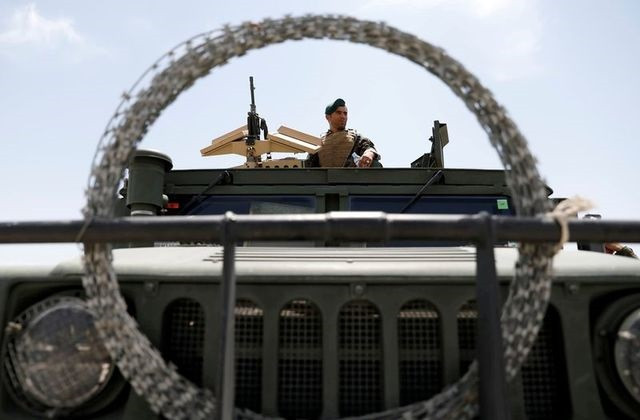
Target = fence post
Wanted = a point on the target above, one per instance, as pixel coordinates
(492, 383)
(225, 391)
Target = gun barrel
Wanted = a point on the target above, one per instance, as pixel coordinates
(253, 101)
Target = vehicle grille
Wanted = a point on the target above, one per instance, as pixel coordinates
(546, 390)
(467, 321)
(360, 357)
(359, 382)
(419, 351)
(249, 333)
(184, 332)
(300, 361)
(543, 374)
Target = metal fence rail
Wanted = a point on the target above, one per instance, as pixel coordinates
(482, 230)
(335, 226)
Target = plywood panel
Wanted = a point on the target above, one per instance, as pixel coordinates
(300, 135)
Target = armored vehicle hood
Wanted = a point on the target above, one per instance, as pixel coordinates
(271, 264)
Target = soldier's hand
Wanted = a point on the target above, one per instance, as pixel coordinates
(366, 159)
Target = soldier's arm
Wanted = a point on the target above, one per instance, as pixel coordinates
(363, 145)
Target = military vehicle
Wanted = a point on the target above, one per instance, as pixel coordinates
(326, 293)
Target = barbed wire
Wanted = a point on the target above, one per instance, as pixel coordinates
(143, 366)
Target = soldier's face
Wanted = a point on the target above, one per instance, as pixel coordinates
(338, 119)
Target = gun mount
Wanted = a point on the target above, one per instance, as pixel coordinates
(435, 158)
(245, 141)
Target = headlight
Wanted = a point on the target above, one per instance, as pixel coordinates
(54, 357)
(627, 353)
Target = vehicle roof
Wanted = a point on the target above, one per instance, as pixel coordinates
(385, 180)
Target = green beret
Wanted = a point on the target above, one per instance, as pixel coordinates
(331, 108)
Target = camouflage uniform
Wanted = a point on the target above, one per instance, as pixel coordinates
(625, 251)
(361, 144)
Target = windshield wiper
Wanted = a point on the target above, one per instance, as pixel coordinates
(224, 178)
(434, 178)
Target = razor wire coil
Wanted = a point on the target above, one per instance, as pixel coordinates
(177, 70)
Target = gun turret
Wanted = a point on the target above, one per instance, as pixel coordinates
(246, 141)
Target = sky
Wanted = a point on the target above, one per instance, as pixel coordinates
(566, 71)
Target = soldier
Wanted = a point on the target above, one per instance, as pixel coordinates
(342, 147)
(616, 248)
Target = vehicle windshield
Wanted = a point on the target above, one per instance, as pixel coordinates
(433, 204)
(300, 204)
(256, 204)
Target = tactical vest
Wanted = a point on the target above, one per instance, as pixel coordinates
(336, 149)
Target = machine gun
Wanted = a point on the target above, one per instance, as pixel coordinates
(254, 123)
(246, 141)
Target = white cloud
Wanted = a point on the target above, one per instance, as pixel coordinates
(28, 27)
